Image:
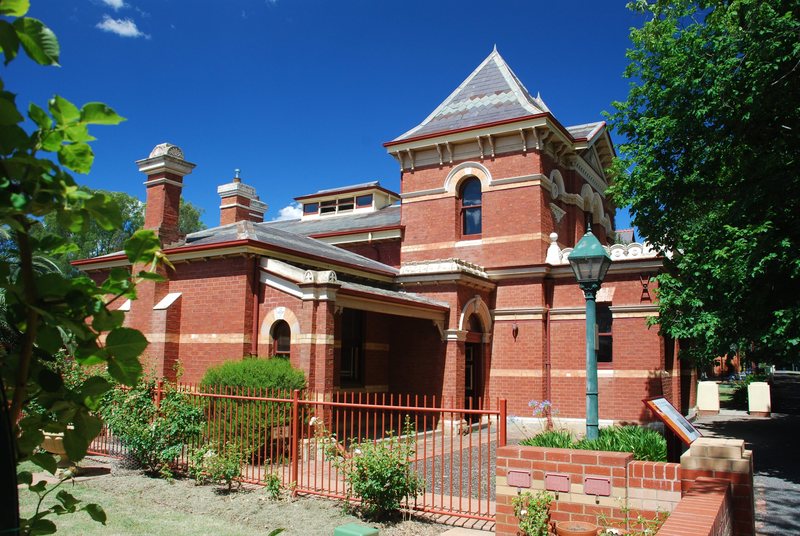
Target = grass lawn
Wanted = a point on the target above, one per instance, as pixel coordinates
(138, 505)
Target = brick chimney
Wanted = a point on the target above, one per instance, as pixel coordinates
(165, 169)
(239, 202)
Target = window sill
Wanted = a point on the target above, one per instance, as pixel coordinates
(473, 240)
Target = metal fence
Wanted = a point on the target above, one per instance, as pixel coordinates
(297, 436)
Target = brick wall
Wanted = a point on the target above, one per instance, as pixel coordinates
(643, 488)
(705, 510)
(652, 490)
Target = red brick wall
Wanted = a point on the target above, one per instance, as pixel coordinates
(387, 252)
(705, 510)
(163, 206)
(216, 305)
(645, 488)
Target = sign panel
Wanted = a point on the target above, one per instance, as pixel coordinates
(673, 419)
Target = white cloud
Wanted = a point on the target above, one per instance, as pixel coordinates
(293, 211)
(116, 5)
(121, 27)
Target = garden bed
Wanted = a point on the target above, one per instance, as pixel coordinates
(137, 504)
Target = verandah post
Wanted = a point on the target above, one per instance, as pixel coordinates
(501, 430)
(159, 393)
(295, 430)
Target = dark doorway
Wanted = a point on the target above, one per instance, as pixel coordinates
(473, 386)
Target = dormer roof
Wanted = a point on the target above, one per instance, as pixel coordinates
(351, 189)
(490, 94)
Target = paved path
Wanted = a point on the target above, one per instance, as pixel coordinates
(774, 442)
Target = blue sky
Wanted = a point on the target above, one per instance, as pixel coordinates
(301, 94)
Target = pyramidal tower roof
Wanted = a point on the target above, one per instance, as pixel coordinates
(491, 93)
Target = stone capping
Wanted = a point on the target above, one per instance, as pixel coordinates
(452, 265)
(619, 252)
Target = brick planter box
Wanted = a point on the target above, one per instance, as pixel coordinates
(588, 485)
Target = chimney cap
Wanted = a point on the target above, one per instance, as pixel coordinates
(167, 149)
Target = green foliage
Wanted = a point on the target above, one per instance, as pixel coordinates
(739, 398)
(155, 434)
(711, 173)
(67, 504)
(272, 485)
(274, 374)
(645, 444)
(560, 439)
(380, 474)
(96, 240)
(47, 310)
(221, 466)
(254, 423)
(533, 512)
(631, 525)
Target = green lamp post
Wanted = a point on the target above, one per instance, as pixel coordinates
(590, 262)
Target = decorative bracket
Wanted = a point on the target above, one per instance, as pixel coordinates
(644, 279)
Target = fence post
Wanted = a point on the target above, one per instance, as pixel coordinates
(501, 425)
(159, 393)
(295, 431)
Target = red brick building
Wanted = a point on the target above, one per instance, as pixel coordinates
(457, 286)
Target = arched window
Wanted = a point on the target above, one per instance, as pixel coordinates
(281, 339)
(471, 207)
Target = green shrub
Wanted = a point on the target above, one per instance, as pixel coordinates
(272, 485)
(533, 512)
(154, 436)
(251, 423)
(275, 374)
(561, 439)
(220, 466)
(644, 443)
(380, 474)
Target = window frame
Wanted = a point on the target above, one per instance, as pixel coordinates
(606, 336)
(277, 351)
(465, 209)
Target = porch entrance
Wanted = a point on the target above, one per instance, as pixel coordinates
(473, 386)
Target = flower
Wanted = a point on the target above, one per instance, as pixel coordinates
(313, 421)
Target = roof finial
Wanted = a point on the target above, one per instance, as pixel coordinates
(236, 173)
(494, 48)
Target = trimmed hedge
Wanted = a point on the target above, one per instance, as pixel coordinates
(255, 373)
(258, 426)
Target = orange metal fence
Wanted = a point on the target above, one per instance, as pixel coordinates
(295, 437)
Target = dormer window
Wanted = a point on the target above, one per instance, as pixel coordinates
(346, 203)
(471, 207)
(363, 201)
(328, 207)
(359, 198)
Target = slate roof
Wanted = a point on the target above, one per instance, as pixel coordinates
(400, 295)
(273, 236)
(364, 185)
(386, 217)
(491, 93)
(586, 130)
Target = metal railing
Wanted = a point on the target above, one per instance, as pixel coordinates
(297, 436)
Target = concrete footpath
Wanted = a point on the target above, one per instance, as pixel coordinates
(774, 441)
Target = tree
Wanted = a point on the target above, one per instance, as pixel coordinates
(96, 240)
(48, 310)
(711, 171)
